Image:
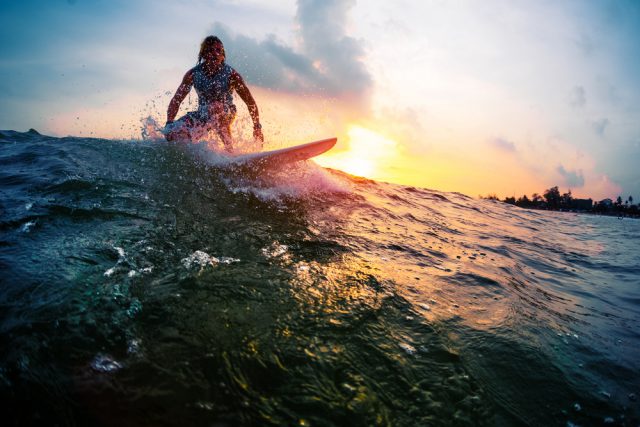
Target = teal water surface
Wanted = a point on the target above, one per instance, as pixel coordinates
(144, 284)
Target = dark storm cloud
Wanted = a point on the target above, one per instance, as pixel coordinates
(328, 61)
(572, 178)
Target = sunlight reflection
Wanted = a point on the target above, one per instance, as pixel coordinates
(366, 153)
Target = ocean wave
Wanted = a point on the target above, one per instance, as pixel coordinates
(142, 274)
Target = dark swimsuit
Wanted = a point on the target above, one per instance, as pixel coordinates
(211, 89)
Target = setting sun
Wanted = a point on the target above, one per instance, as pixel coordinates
(366, 154)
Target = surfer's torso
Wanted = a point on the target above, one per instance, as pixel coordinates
(213, 88)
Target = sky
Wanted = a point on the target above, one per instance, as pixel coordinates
(481, 97)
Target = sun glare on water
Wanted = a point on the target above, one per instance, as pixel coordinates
(367, 152)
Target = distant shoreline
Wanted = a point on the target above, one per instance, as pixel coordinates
(552, 200)
(611, 214)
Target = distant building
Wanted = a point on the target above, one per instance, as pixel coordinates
(606, 202)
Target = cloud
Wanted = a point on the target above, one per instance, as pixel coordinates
(578, 97)
(327, 60)
(572, 178)
(323, 28)
(622, 166)
(599, 126)
(503, 144)
(601, 186)
(585, 44)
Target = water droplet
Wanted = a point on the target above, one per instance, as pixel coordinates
(105, 363)
(27, 226)
(408, 348)
(133, 346)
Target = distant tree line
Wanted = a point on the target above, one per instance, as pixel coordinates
(551, 199)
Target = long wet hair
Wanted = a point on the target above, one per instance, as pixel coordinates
(207, 44)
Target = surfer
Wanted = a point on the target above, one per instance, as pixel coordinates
(214, 82)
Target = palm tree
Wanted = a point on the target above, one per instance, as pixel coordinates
(566, 198)
(536, 199)
(552, 195)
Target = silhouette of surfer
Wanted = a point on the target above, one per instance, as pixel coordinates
(214, 82)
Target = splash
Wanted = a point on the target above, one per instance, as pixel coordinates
(294, 181)
(151, 130)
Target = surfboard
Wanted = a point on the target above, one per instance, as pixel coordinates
(275, 158)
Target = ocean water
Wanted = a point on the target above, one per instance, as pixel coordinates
(144, 283)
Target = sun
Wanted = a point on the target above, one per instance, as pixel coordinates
(360, 167)
(367, 153)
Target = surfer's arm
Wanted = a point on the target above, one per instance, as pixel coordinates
(241, 88)
(180, 95)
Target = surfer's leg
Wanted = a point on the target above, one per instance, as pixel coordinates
(180, 130)
(225, 136)
(224, 117)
